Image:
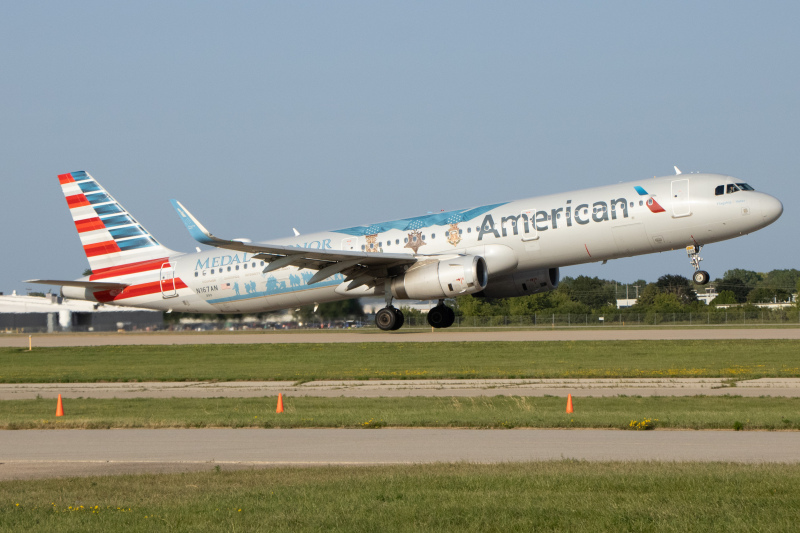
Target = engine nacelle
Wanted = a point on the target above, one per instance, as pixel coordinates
(444, 278)
(521, 283)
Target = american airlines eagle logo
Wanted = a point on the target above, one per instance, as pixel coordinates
(651, 203)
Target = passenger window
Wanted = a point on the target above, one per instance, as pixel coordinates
(196, 274)
(237, 267)
(212, 270)
(229, 269)
(719, 190)
(245, 267)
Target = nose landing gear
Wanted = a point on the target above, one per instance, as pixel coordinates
(700, 277)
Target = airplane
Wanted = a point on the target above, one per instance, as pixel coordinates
(498, 250)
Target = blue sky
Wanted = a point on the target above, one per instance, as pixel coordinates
(263, 116)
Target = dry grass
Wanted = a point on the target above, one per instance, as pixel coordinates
(698, 412)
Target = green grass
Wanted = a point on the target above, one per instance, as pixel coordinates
(739, 359)
(548, 496)
(698, 412)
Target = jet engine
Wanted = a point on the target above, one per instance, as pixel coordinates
(521, 283)
(443, 278)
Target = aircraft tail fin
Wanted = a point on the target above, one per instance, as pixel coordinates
(111, 237)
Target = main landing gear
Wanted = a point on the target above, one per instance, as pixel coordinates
(389, 318)
(441, 316)
(700, 277)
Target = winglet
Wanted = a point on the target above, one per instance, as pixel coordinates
(196, 229)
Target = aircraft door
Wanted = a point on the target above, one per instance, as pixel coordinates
(528, 228)
(167, 280)
(350, 243)
(680, 199)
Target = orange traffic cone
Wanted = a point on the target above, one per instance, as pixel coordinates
(280, 403)
(59, 407)
(569, 403)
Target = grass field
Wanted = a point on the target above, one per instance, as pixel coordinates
(550, 496)
(739, 359)
(621, 412)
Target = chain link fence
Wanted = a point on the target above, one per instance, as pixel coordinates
(551, 320)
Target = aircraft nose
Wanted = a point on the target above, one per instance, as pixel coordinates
(771, 208)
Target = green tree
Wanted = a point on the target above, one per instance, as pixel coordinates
(592, 292)
(724, 297)
(748, 277)
(764, 294)
(680, 286)
(667, 302)
(341, 310)
(647, 296)
(735, 285)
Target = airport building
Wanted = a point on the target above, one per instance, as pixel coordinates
(53, 313)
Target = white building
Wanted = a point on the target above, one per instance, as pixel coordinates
(52, 313)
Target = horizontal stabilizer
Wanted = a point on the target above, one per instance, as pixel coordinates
(93, 285)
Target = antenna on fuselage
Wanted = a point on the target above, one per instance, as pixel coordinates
(677, 170)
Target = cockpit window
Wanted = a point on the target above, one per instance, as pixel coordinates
(745, 187)
(720, 190)
(732, 188)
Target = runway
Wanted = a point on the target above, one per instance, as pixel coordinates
(55, 453)
(783, 387)
(452, 335)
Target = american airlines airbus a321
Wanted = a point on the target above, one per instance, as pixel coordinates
(496, 251)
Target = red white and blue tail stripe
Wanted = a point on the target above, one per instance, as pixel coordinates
(112, 239)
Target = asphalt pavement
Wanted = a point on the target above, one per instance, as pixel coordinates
(55, 453)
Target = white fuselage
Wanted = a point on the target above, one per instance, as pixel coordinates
(535, 233)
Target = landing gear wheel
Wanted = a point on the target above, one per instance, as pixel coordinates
(451, 317)
(386, 319)
(701, 277)
(441, 316)
(400, 319)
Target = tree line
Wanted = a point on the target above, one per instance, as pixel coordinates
(669, 294)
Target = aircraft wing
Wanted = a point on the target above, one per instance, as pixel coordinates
(94, 285)
(359, 267)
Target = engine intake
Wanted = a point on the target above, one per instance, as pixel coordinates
(521, 283)
(444, 278)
